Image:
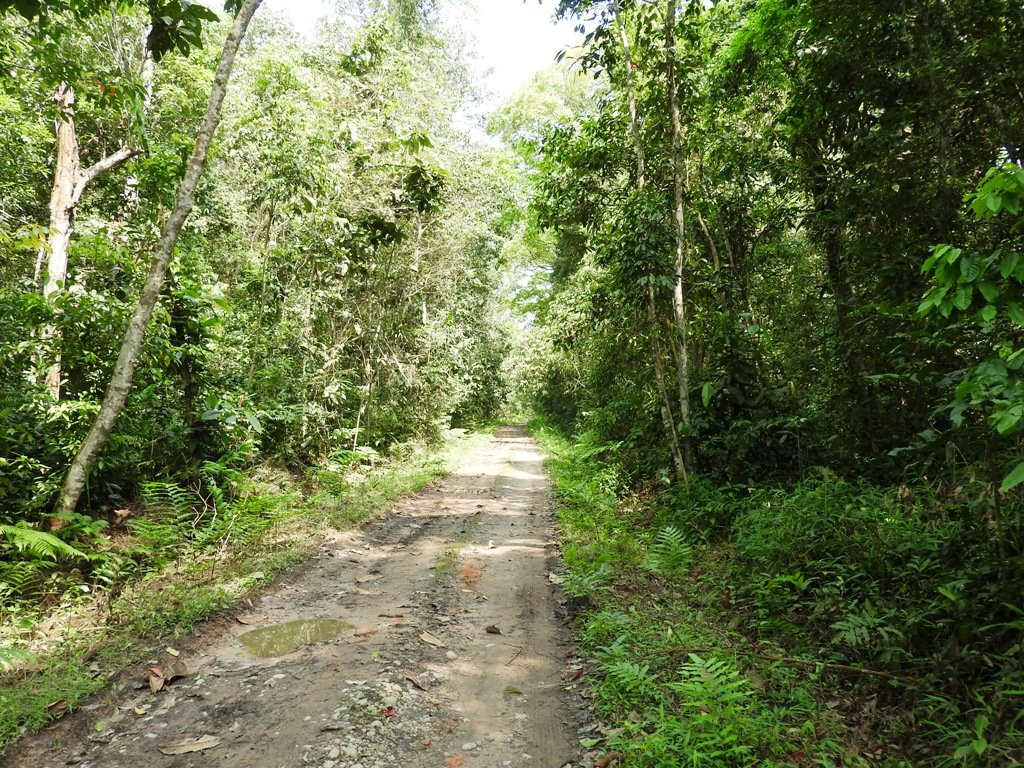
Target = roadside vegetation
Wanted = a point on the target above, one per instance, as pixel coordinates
(823, 624)
(779, 322)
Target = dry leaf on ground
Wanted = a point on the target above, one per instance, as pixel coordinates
(57, 707)
(429, 639)
(191, 745)
(416, 681)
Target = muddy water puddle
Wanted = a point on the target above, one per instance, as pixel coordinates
(288, 636)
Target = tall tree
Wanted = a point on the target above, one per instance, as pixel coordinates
(680, 286)
(121, 380)
(69, 182)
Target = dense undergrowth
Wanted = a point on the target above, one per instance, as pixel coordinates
(71, 619)
(827, 623)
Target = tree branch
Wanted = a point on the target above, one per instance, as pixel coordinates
(99, 168)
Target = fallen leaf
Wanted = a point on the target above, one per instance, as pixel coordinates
(191, 745)
(391, 615)
(426, 742)
(513, 690)
(575, 675)
(140, 711)
(173, 651)
(175, 670)
(157, 681)
(58, 707)
(416, 682)
(365, 631)
(387, 712)
(429, 639)
(454, 761)
(122, 514)
(490, 543)
(492, 630)
(369, 577)
(604, 762)
(240, 620)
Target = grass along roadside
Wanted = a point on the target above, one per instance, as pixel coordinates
(675, 679)
(832, 622)
(178, 565)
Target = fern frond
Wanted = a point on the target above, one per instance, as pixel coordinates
(38, 544)
(670, 553)
(712, 681)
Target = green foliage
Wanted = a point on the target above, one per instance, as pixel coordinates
(37, 544)
(670, 553)
(985, 291)
(855, 498)
(331, 299)
(898, 581)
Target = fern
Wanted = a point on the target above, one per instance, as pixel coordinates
(866, 629)
(630, 677)
(712, 684)
(591, 584)
(171, 499)
(39, 544)
(670, 554)
(113, 570)
(20, 579)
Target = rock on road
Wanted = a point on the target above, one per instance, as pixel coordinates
(453, 650)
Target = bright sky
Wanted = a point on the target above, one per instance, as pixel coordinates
(515, 38)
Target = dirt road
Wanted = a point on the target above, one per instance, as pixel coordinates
(448, 649)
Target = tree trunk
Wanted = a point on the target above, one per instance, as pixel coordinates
(69, 182)
(680, 289)
(667, 421)
(121, 380)
(657, 357)
(634, 121)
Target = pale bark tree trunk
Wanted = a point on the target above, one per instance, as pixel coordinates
(69, 182)
(667, 420)
(634, 121)
(680, 289)
(121, 380)
(657, 357)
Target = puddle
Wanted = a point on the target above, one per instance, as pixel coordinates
(279, 639)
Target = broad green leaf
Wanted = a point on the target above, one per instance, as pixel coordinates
(706, 392)
(948, 594)
(1009, 264)
(988, 290)
(964, 294)
(970, 268)
(1007, 420)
